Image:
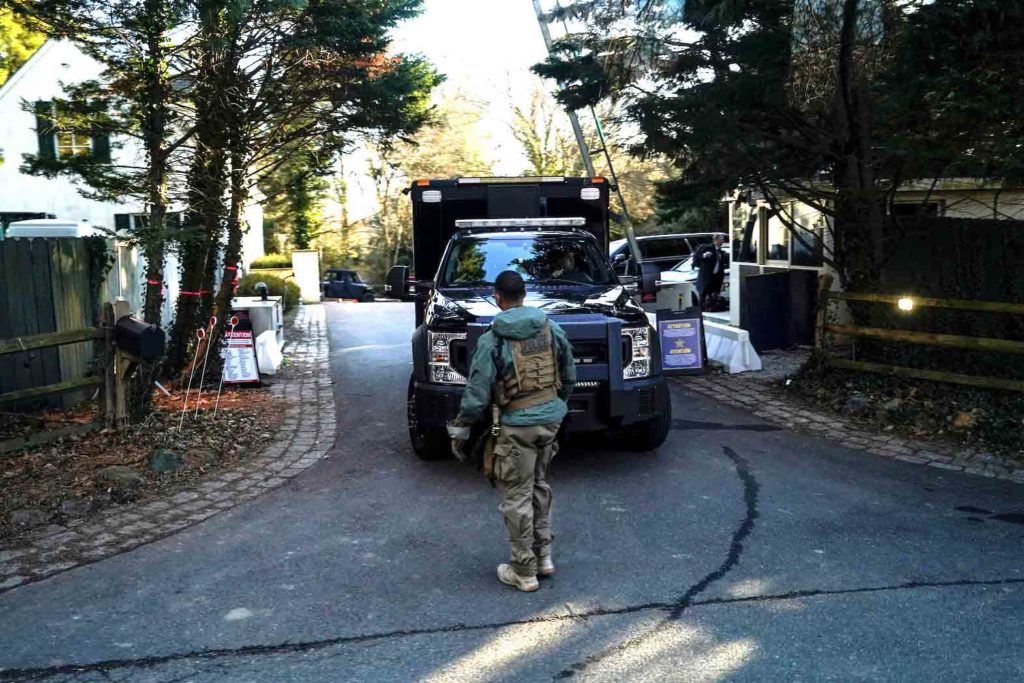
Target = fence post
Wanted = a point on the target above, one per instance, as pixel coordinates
(109, 369)
(821, 315)
(124, 366)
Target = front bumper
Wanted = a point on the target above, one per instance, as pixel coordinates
(593, 406)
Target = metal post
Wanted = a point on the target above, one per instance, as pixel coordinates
(588, 163)
(200, 333)
(206, 356)
(223, 370)
(584, 150)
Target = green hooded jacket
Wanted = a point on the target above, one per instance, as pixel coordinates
(521, 322)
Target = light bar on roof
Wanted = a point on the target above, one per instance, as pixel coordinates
(520, 222)
(511, 180)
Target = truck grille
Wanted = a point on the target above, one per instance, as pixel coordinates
(459, 351)
(589, 352)
(645, 402)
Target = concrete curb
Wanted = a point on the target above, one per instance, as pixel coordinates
(765, 402)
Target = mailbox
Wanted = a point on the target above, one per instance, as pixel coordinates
(139, 339)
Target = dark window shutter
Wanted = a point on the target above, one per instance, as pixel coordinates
(44, 130)
(122, 222)
(100, 145)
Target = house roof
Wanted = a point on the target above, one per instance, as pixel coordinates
(25, 68)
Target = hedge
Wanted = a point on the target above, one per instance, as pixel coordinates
(275, 287)
(272, 261)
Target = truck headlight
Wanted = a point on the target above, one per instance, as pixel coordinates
(637, 362)
(439, 357)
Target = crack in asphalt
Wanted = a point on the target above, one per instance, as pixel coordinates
(31, 674)
(746, 527)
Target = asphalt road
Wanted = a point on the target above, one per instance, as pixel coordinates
(736, 551)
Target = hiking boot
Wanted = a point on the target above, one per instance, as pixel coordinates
(508, 576)
(545, 567)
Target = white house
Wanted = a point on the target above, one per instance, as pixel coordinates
(38, 83)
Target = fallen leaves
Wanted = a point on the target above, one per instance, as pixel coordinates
(42, 478)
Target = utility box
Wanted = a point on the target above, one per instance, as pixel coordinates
(262, 315)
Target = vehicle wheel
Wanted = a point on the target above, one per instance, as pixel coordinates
(366, 298)
(649, 435)
(428, 443)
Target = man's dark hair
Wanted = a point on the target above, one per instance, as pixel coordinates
(510, 285)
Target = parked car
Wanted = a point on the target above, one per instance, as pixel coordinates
(684, 271)
(342, 283)
(663, 250)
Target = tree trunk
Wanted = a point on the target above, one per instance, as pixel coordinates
(154, 235)
(206, 211)
(236, 230)
(859, 221)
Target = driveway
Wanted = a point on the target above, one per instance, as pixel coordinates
(736, 551)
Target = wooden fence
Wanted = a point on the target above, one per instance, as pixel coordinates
(45, 288)
(953, 341)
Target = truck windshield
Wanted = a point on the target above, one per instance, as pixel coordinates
(477, 261)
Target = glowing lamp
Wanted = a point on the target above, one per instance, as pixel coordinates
(905, 303)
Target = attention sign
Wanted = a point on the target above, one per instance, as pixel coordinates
(240, 356)
(681, 334)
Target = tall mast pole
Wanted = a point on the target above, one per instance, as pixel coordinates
(627, 220)
(573, 119)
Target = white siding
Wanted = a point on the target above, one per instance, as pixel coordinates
(40, 79)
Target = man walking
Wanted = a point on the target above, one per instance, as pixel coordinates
(710, 260)
(524, 371)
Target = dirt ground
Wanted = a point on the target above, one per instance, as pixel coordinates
(58, 482)
(977, 419)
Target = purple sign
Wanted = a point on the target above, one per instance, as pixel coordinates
(680, 344)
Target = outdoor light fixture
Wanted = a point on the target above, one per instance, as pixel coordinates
(905, 303)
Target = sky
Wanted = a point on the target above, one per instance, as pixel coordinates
(486, 49)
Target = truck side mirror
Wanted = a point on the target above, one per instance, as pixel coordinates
(649, 274)
(396, 282)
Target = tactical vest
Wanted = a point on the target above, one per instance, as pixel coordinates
(533, 378)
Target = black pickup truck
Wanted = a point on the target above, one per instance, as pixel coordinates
(554, 232)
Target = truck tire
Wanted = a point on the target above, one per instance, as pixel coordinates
(651, 434)
(428, 443)
(366, 298)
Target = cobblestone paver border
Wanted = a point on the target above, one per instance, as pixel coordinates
(765, 401)
(305, 436)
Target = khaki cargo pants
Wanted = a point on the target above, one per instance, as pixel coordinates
(521, 459)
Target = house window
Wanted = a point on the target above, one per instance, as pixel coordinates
(777, 242)
(915, 209)
(72, 144)
(134, 222)
(745, 233)
(807, 249)
(57, 141)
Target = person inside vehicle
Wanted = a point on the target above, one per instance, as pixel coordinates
(566, 268)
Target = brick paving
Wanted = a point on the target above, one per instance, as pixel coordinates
(305, 436)
(757, 394)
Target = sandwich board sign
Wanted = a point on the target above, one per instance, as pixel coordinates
(681, 337)
(239, 353)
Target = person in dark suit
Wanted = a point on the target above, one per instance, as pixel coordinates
(710, 261)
